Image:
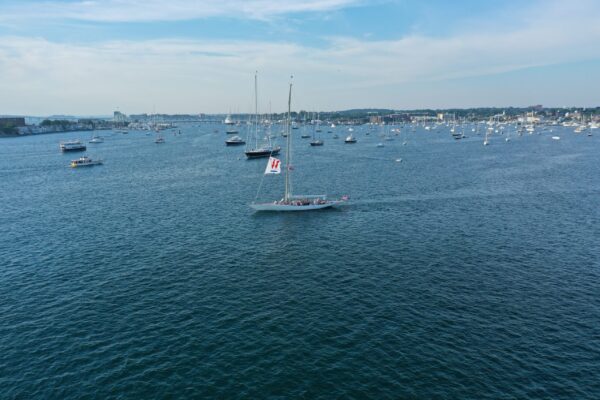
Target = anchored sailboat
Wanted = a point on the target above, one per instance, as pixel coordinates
(291, 202)
(253, 148)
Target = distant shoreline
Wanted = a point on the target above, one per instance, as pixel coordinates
(7, 135)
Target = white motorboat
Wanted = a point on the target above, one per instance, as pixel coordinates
(73, 145)
(84, 162)
(235, 141)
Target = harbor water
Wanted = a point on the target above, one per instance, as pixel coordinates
(456, 270)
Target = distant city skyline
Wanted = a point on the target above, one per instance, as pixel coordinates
(94, 57)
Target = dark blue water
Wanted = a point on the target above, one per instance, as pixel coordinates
(463, 271)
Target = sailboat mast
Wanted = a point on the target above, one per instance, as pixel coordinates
(256, 110)
(287, 194)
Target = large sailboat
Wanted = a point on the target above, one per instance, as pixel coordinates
(254, 149)
(291, 202)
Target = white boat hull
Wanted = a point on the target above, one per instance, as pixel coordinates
(290, 207)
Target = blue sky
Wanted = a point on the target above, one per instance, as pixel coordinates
(91, 57)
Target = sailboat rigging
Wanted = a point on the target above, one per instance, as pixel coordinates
(253, 148)
(291, 202)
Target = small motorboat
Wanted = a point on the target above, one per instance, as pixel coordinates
(350, 139)
(85, 161)
(235, 141)
(73, 145)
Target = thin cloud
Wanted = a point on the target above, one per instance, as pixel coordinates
(212, 76)
(159, 10)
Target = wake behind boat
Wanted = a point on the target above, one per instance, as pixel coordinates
(291, 202)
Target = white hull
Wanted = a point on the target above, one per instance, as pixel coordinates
(289, 207)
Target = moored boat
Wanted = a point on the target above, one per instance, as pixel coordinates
(73, 145)
(263, 152)
(235, 141)
(350, 139)
(84, 161)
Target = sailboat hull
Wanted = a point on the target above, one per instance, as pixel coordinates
(262, 153)
(290, 207)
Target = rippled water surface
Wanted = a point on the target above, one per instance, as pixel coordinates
(463, 271)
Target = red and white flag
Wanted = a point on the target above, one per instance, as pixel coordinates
(273, 166)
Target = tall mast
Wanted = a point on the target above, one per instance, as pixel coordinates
(255, 110)
(287, 194)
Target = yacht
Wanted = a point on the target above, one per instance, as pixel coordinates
(73, 145)
(262, 152)
(291, 202)
(350, 139)
(235, 141)
(84, 161)
(96, 139)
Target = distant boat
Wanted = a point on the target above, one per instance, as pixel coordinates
(555, 137)
(292, 202)
(73, 145)
(317, 141)
(380, 144)
(96, 139)
(263, 152)
(232, 131)
(235, 141)
(159, 139)
(254, 149)
(84, 162)
(350, 139)
(386, 133)
(486, 141)
(228, 120)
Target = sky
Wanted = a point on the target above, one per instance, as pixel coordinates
(91, 57)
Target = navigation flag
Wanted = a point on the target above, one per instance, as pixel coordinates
(273, 166)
